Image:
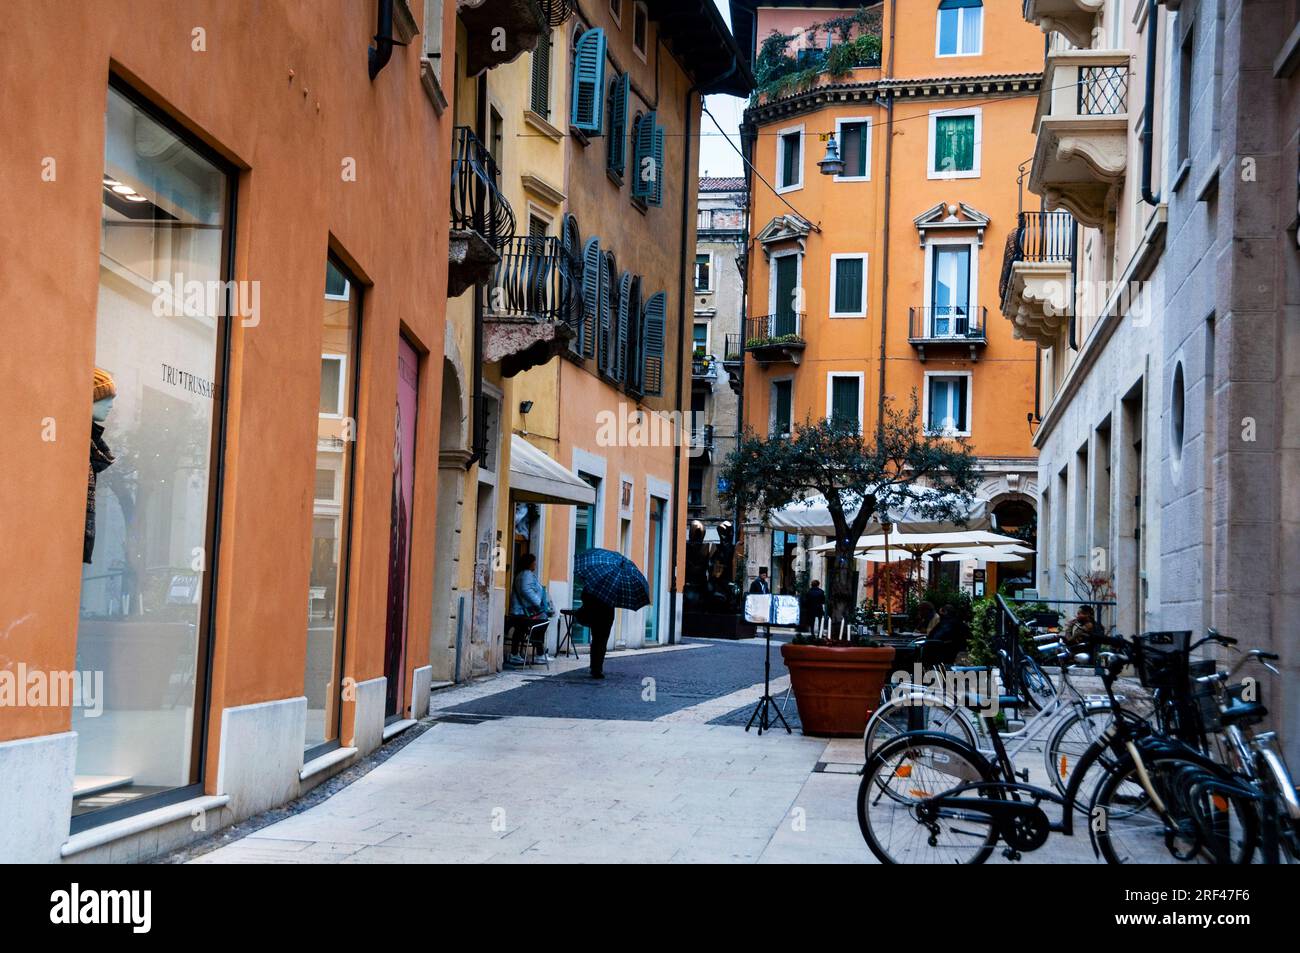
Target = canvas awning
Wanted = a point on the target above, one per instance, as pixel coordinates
(536, 478)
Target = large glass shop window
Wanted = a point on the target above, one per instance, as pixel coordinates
(335, 438)
(148, 546)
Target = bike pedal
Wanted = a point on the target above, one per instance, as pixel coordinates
(1010, 854)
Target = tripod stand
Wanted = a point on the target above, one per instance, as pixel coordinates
(767, 701)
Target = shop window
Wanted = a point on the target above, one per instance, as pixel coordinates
(148, 550)
(331, 509)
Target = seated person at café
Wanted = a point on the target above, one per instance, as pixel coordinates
(529, 604)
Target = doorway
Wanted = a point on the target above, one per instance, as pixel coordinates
(400, 527)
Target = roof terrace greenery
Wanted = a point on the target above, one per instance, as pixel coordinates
(789, 63)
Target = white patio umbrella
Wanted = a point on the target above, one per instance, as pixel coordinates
(812, 517)
(1008, 555)
(919, 543)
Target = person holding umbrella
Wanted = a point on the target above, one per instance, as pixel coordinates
(609, 581)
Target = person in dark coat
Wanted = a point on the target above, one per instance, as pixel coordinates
(760, 586)
(598, 616)
(813, 605)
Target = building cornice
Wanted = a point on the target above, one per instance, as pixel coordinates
(996, 85)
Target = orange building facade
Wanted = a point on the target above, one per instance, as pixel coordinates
(878, 282)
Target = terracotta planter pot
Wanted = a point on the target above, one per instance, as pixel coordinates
(836, 688)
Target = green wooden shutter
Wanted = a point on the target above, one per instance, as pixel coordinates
(781, 415)
(848, 285)
(656, 196)
(790, 161)
(635, 370)
(591, 295)
(787, 277)
(954, 143)
(541, 89)
(603, 327)
(653, 320)
(644, 170)
(587, 108)
(844, 400)
(616, 160)
(621, 327)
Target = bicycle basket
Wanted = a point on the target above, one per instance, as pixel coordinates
(1161, 659)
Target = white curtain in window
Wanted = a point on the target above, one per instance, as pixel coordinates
(971, 21)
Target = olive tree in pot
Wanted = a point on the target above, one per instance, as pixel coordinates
(864, 479)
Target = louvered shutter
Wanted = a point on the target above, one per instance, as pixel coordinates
(603, 361)
(618, 95)
(587, 110)
(635, 372)
(652, 336)
(656, 197)
(644, 174)
(592, 266)
(621, 327)
(571, 278)
(541, 92)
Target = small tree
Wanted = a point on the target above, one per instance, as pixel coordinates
(861, 479)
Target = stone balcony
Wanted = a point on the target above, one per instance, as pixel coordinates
(1083, 126)
(1074, 19)
(1037, 276)
(498, 31)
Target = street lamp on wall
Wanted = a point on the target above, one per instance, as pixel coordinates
(831, 163)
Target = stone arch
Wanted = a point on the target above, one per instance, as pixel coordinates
(453, 452)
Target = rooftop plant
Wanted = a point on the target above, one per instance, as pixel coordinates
(852, 41)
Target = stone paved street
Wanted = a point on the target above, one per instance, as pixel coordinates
(527, 768)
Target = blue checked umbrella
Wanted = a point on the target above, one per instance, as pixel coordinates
(613, 578)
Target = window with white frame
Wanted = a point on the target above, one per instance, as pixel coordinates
(955, 136)
(782, 401)
(616, 11)
(951, 284)
(854, 138)
(960, 28)
(947, 404)
(849, 286)
(700, 337)
(785, 293)
(433, 36)
(640, 29)
(331, 384)
(704, 272)
(844, 399)
(789, 159)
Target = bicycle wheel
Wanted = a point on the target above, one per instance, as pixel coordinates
(1073, 735)
(1205, 821)
(1035, 686)
(932, 713)
(914, 768)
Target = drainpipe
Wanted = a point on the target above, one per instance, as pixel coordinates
(681, 337)
(1149, 104)
(382, 51)
(884, 261)
(478, 422)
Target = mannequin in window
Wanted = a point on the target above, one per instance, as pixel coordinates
(101, 458)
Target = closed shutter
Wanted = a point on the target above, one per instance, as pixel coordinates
(844, 400)
(591, 294)
(587, 110)
(635, 371)
(653, 320)
(787, 276)
(571, 279)
(656, 197)
(959, 383)
(954, 144)
(618, 94)
(790, 160)
(541, 90)
(781, 410)
(853, 148)
(848, 285)
(619, 370)
(605, 320)
(644, 171)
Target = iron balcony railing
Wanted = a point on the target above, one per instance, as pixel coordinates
(773, 329)
(703, 366)
(1039, 237)
(702, 437)
(947, 322)
(731, 349)
(476, 199)
(535, 278)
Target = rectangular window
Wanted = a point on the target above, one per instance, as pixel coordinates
(855, 149)
(960, 28)
(432, 34)
(848, 286)
(335, 438)
(703, 269)
(790, 160)
(1186, 54)
(947, 404)
(954, 144)
(844, 399)
(782, 394)
(950, 307)
(145, 604)
(700, 337)
(616, 11)
(640, 29)
(540, 95)
(785, 280)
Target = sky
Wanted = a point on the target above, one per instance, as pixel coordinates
(716, 157)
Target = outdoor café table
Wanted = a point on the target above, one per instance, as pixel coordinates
(566, 633)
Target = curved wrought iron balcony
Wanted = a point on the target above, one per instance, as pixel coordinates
(476, 200)
(536, 278)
